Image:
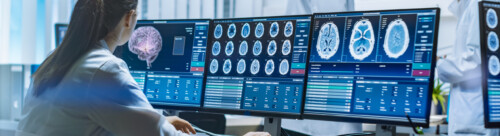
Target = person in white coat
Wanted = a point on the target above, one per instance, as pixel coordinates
(462, 70)
(317, 127)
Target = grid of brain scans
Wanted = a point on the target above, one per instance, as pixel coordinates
(491, 66)
(257, 64)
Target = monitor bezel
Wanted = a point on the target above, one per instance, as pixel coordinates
(381, 121)
(57, 28)
(257, 112)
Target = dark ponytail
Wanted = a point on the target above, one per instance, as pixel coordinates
(90, 22)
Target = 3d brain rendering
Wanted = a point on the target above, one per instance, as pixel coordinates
(146, 42)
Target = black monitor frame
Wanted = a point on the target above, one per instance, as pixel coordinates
(381, 121)
(57, 29)
(255, 112)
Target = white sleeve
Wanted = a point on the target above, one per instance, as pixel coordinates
(117, 104)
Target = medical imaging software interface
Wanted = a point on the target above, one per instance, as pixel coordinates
(372, 65)
(257, 64)
(167, 60)
(492, 63)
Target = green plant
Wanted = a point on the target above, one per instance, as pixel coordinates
(437, 95)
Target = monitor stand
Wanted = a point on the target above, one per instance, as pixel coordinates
(385, 130)
(272, 126)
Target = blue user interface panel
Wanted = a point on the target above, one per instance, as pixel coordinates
(60, 32)
(167, 58)
(257, 64)
(371, 65)
(491, 64)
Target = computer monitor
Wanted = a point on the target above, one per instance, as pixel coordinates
(167, 58)
(489, 30)
(372, 66)
(256, 66)
(60, 32)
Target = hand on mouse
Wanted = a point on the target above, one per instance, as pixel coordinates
(181, 125)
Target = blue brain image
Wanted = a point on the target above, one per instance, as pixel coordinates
(241, 66)
(227, 66)
(243, 48)
(494, 65)
(231, 31)
(287, 47)
(491, 18)
(269, 69)
(245, 30)
(257, 48)
(259, 30)
(284, 67)
(229, 48)
(362, 39)
(493, 41)
(255, 66)
(218, 31)
(214, 65)
(328, 40)
(274, 30)
(216, 48)
(397, 39)
(288, 29)
(271, 48)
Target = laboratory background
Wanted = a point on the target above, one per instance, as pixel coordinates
(285, 67)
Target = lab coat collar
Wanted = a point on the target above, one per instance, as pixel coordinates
(458, 7)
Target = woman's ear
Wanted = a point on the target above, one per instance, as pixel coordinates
(129, 18)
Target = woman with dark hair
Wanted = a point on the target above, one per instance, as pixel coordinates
(82, 89)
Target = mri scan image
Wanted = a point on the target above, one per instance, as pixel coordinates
(287, 48)
(218, 31)
(259, 30)
(241, 66)
(494, 65)
(328, 40)
(227, 66)
(274, 30)
(229, 48)
(271, 48)
(362, 39)
(255, 66)
(288, 29)
(397, 39)
(146, 42)
(216, 48)
(257, 48)
(243, 48)
(491, 18)
(245, 30)
(231, 31)
(214, 65)
(493, 41)
(269, 69)
(284, 67)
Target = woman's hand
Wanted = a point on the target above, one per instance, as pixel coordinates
(181, 125)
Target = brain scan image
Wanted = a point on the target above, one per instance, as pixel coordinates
(274, 30)
(259, 30)
(494, 65)
(243, 48)
(284, 67)
(227, 66)
(146, 42)
(397, 39)
(216, 48)
(287, 47)
(245, 30)
(269, 69)
(241, 66)
(254, 67)
(257, 48)
(491, 18)
(229, 48)
(271, 48)
(214, 65)
(328, 40)
(362, 39)
(288, 29)
(493, 41)
(231, 31)
(218, 31)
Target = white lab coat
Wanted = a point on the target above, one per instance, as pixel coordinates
(97, 96)
(463, 70)
(317, 127)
